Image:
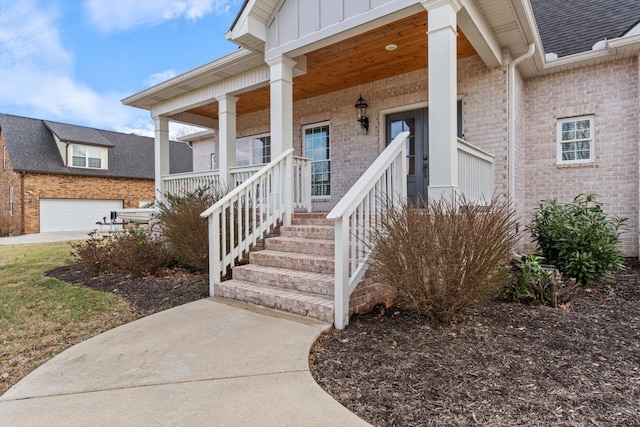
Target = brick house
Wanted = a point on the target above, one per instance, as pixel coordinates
(532, 99)
(60, 177)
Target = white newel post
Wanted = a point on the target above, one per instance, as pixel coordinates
(226, 137)
(281, 85)
(161, 154)
(443, 76)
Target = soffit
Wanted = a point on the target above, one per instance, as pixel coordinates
(354, 61)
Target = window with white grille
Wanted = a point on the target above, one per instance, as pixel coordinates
(576, 137)
(317, 148)
(88, 156)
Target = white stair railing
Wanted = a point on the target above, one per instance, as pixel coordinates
(247, 214)
(475, 173)
(383, 185)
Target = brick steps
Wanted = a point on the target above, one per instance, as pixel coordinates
(294, 272)
(301, 245)
(304, 281)
(301, 303)
(293, 261)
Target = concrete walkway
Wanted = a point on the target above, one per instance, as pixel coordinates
(206, 363)
(57, 236)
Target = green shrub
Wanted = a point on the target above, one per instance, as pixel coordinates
(445, 257)
(531, 281)
(131, 252)
(186, 233)
(578, 238)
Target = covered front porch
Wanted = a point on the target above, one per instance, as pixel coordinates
(400, 56)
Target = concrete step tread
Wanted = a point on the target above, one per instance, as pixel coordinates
(291, 255)
(323, 300)
(328, 278)
(302, 240)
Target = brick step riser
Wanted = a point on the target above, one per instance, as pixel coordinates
(308, 232)
(277, 302)
(292, 282)
(312, 221)
(293, 263)
(308, 246)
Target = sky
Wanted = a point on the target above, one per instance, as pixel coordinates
(73, 61)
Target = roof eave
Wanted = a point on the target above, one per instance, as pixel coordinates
(144, 99)
(619, 48)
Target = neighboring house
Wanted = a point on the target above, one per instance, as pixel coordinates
(60, 177)
(544, 93)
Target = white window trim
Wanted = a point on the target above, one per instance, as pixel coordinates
(559, 141)
(317, 125)
(104, 157)
(4, 157)
(252, 138)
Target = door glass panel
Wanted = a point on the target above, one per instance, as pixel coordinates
(408, 124)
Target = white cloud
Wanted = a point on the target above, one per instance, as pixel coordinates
(37, 72)
(107, 15)
(158, 78)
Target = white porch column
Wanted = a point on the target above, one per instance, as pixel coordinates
(443, 76)
(161, 154)
(281, 104)
(226, 137)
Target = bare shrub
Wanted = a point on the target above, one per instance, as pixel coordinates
(131, 252)
(445, 256)
(185, 231)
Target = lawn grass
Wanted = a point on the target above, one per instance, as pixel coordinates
(42, 316)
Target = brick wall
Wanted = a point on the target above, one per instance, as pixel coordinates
(484, 97)
(610, 92)
(47, 186)
(10, 220)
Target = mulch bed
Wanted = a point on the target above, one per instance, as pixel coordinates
(145, 295)
(502, 364)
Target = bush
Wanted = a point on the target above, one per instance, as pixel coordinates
(130, 252)
(531, 281)
(185, 231)
(578, 238)
(443, 258)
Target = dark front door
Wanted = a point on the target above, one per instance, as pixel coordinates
(416, 122)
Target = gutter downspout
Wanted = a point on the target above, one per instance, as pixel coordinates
(512, 122)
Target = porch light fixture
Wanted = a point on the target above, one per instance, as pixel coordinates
(361, 108)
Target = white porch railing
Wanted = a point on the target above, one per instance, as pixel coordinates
(383, 185)
(178, 184)
(183, 183)
(247, 213)
(475, 173)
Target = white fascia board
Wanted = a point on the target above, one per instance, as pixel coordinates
(249, 25)
(585, 58)
(342, 30)
(236, 84)
(479, 34)
(529, 28)
(197, 136)
(136, 100)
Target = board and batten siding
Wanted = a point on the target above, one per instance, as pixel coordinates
(314, 20)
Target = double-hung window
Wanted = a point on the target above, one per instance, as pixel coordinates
(86, 156)
(254, 150)
(576, 137)
(316, 146)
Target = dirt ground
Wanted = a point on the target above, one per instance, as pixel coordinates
(502, 364)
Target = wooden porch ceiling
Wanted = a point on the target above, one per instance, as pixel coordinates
(357, 60)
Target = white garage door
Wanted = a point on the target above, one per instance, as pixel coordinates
(74, 214)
